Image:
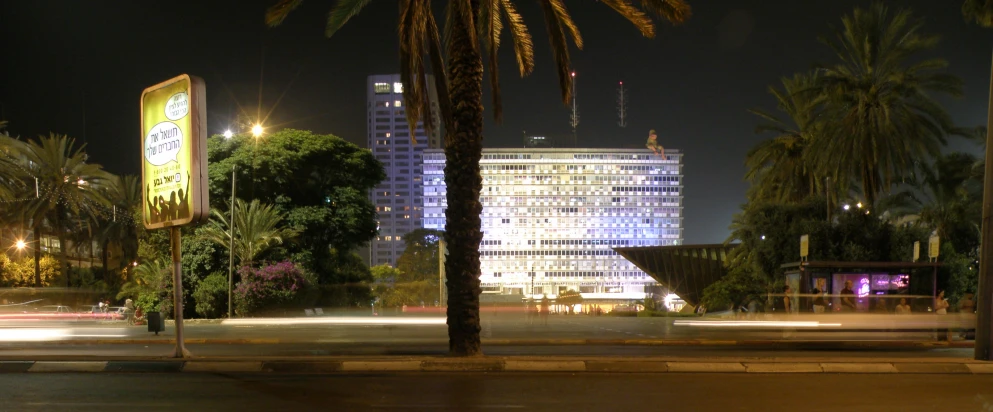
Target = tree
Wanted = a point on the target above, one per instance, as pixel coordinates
(879, 114)
(318, 182)
(120, 227)
(10, 170)
(946, 198)
(779, 168)
(459, 81)
(979, 12)
(419, 260)
(257, 228)
(69, 188)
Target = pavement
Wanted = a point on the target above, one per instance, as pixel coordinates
(567, 344)
(532, 391)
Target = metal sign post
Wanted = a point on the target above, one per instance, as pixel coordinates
(984, 317)
(174, 169)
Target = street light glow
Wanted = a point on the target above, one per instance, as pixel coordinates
(846, 207)
(20, 245)
(228, 134)
(858, 205)
(257, 130)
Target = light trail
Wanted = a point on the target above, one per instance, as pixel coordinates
(334, 321)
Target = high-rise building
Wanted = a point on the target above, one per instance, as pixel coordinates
(398, 198)
(551, 218)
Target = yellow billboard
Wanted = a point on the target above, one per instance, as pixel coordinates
(174, 153)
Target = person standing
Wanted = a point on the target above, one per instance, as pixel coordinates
(544, 309)
(941, 309)
(903, 308)
(848, 298)
(819, 304)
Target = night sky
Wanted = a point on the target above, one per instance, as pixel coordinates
(78, 68)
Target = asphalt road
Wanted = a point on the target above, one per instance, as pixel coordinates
(493, 327)
(98, 351)
(502, 391)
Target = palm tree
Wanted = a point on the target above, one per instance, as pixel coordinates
(119, 226)
(778, 168)
(879, 115)
(459, 82)
(979, 12)
(256, 229)
(9, 167)
(69, 189)
(945, 198)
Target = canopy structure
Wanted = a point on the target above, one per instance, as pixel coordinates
(683, 269)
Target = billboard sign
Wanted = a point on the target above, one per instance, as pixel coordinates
(174, 153)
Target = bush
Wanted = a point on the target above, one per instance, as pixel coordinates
(211, 296)
(20, 272)
(268, 287)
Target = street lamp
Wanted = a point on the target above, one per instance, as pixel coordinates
(257, 130)
(228, 134)
(858, 205)
(20, 245)
(846, 207)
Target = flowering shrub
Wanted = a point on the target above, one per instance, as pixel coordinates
(268, 286)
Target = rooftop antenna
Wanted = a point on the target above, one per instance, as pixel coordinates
(622, 105)
(574, 119)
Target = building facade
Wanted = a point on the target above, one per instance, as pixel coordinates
(398, 198)
(551, 218)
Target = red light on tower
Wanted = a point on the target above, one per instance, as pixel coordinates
(573, 74)
(620, 83)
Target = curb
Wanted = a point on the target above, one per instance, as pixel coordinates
(485, 364)
(554, 342)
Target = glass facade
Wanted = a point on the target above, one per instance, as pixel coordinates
(552, 216)
(398, 197)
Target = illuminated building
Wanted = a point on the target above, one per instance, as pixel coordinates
(398, 197)
(552, 217)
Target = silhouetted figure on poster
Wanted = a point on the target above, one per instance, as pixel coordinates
(184, 200)
(173, 205)
(165, 213)
(153, 211)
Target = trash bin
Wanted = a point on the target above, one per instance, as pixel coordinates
(156, 323)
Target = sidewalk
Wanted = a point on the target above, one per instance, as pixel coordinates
(500, 364)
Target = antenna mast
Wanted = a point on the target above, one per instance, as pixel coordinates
(574, 118)
(622, 106)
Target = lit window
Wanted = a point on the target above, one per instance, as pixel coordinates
(387, 104)
(387, 134)
(397, 88)
(396, 103)
(381, 88)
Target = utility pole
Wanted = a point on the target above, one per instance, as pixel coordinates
(622, 106)
(574, 119)
(984, 317)
(231, 245)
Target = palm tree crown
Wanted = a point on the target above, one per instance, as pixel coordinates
(878, 112)
(256, 226)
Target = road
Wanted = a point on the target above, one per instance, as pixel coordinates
(410, 329)
(503, 391)
(41, 351)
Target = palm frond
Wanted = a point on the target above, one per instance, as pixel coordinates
(490, 26)
(628, 11)
(675, 11)
(343, 11)
(979, 12)
(277, 13)
(523, 45)
(560, 48)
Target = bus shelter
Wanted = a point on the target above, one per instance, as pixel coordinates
(878, 286)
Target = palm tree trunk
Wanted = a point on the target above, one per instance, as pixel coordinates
(463, 150)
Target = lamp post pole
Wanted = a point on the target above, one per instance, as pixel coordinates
(231, 244)
(984, 316)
